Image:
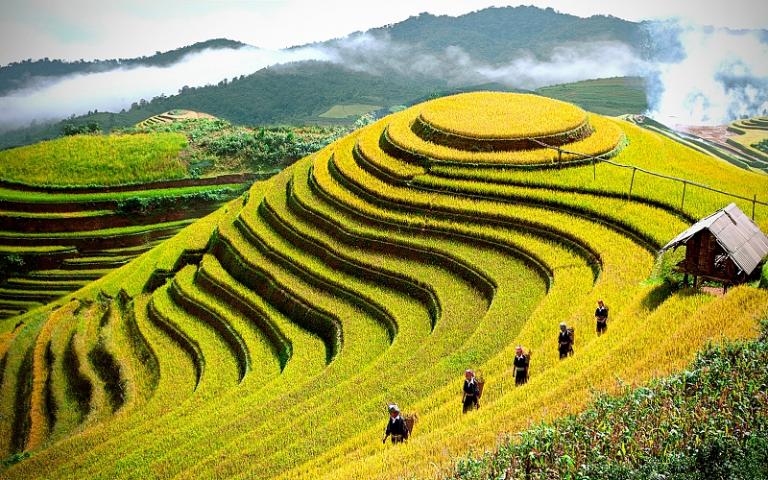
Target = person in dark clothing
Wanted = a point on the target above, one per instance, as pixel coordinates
(471, 392)
(396, 427)
(601, 316)
(521, 366)
(565, 341)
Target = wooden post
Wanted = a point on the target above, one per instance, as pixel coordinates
(754, 201)
(594, 173)
(632, 183)
(682, 202)
(559, 155)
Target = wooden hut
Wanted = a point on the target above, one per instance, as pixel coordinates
(725, 247)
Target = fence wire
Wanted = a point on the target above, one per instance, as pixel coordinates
(602, 159)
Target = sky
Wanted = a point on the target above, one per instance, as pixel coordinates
(92, 29)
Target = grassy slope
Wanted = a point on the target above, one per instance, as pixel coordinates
(95, 160)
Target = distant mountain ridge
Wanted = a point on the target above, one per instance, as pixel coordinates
(17, 75)
(500, 34)
(299, 92)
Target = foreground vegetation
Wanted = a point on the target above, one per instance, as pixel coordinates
(266, 340)
(217, 146)
(710, 421)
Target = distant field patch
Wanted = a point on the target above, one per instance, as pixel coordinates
(751, 137)
(606, 96)
(173, 116)
(346, 111)
(85, 160)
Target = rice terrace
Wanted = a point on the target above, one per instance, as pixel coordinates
(409, 292)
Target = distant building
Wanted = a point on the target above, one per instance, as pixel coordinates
(726, 247)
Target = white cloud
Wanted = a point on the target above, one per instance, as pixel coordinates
(567, 63)
(723, 76)
(117, 89)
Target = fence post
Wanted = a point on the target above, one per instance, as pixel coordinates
(559, 155)
(682, 202)
(632, 183)
(754, 201)
(594, 169)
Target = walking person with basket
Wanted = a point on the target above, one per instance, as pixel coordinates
(396, 427)
(601, 316)
(471, 392)
(565, 341)
(521, 363)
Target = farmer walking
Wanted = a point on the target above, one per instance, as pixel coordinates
(396, 427)
(565, 341)
(521, 363)
(601, 316)
(471, 391)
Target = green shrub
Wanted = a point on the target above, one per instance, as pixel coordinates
(90, 127)
(13, 459)
(10, 265)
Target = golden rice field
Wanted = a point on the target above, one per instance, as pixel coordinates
(483, 115)
(265, 340)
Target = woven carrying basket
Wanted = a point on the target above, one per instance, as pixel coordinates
(410, 421)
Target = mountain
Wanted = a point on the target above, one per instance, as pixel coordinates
(300, 92)
(17, 75)
(499, 35)
(292, 93)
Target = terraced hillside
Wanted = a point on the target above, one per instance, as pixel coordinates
(172, 116)
(738, 150)
(74, 209)
(751, 138)
(265, 340)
